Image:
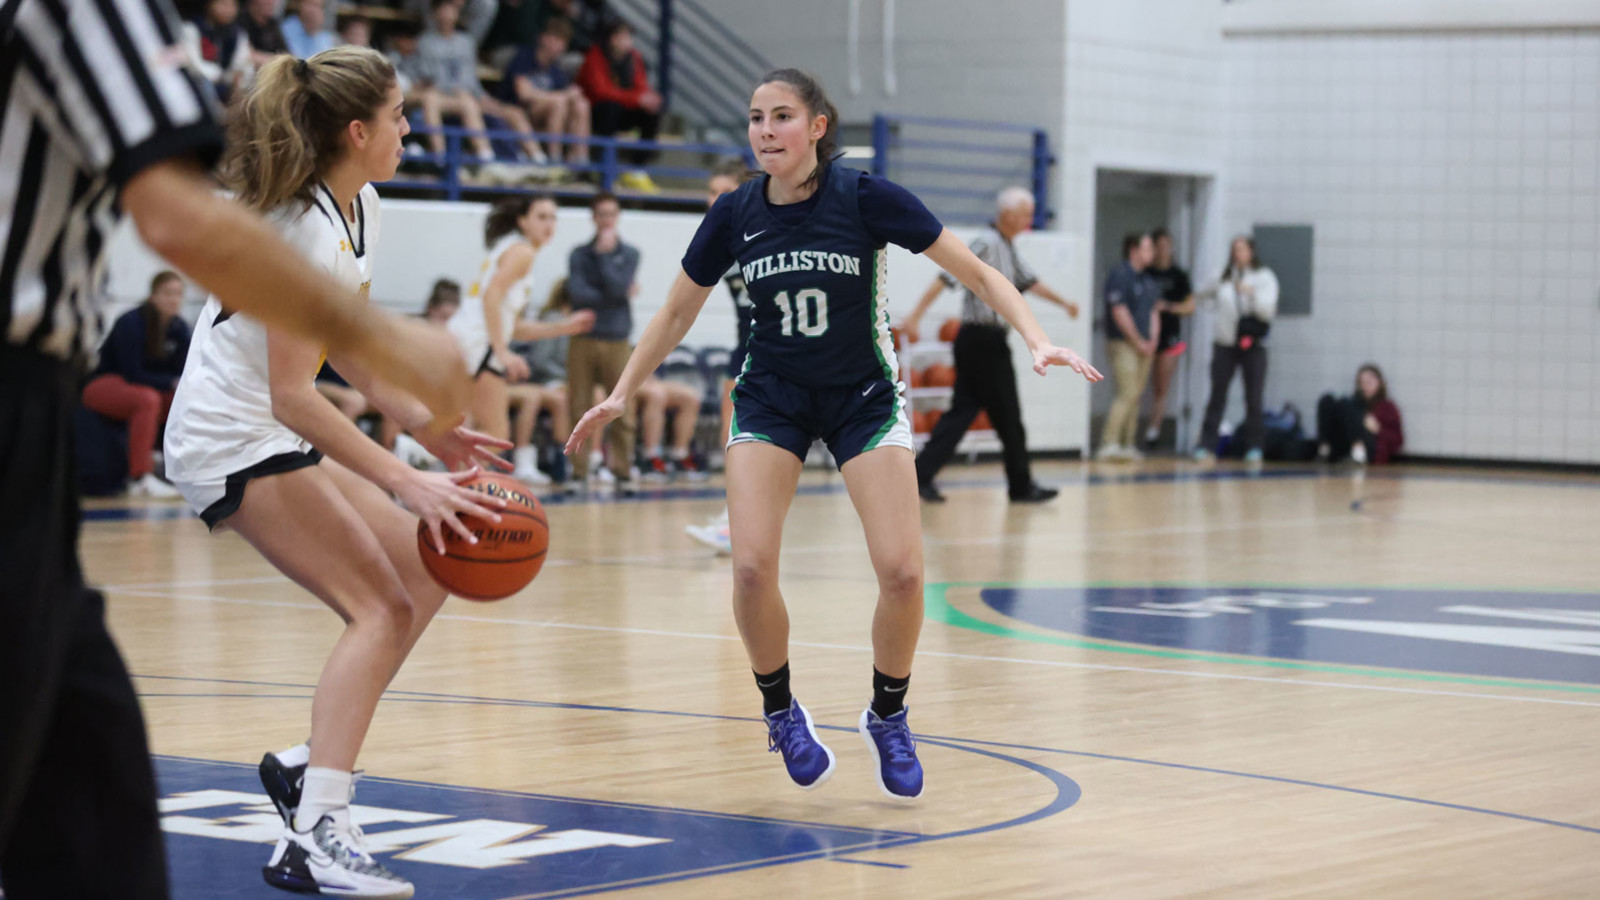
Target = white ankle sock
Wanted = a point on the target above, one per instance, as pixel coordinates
(652, 452)
(525, 458)
(677, 455)
(298, 755)
(326, 791)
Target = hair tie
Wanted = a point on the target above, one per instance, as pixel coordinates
(302, 69)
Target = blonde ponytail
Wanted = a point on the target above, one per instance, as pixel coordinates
(288, 128)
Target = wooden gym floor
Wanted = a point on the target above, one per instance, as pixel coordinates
(1171, 682)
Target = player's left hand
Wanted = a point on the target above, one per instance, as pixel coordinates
(460, 448)
(605, 411)
(1047, 356)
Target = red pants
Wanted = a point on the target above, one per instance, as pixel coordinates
(143, 408)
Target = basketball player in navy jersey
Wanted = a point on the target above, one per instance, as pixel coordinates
(810, 240)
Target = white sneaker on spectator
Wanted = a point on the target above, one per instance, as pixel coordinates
(153, 487)
(604, 476)
(530, 475)
(714, 536)
(414, 454)
(1112, 452)
(1202, 455)
(1358, 453)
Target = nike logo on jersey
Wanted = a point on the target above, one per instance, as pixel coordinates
(751, 237)
(868, 390)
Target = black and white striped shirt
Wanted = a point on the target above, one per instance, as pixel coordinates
(994, 249)
(91, 92)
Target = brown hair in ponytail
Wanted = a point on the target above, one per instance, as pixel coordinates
(809, 90)
(505, 214)
(288, 129)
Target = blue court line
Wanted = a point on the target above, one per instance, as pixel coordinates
(1067, 793)
(836, 486)
(868, 862)
(953, 743)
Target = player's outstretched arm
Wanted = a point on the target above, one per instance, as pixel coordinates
(235, 255)
(996, 290)
(665, 331)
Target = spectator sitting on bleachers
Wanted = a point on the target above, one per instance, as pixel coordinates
(545, 390)
(618, 87)
(1365, 426)
(516, 26)
(681, 396)
(217, 45)
(356, 31)
(445, 82)
(140, 362)
(306, 31)
(264, 31)
(443, 301)
(475, 16)
(536, 81)
(588, 19)
(407, 72)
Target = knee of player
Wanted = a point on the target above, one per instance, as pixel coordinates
(754, 574)
(901, 580)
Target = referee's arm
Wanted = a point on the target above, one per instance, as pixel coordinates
(112, 73)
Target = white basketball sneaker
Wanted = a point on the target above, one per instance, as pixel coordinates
(331, 859)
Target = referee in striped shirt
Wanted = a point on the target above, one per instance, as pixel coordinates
(99, 113)
(985, 378)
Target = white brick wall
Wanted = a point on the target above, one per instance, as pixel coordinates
(1452, 179)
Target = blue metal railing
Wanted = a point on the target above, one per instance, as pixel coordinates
(963, 192)
(609, 169)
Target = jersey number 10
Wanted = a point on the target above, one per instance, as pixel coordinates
(809, 312)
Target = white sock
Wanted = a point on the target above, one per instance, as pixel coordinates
(298, 755)
(326, 791)
(652, 452)
(525, 458)
(677, 455)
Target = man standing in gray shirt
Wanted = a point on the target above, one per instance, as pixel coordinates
(601, 279)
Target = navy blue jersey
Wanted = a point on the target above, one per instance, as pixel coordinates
(815, 272)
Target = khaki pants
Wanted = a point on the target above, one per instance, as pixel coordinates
(592, 362)
(1131, 371)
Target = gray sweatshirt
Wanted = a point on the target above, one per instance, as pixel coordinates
(600, 282)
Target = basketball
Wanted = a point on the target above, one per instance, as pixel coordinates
(947, 331)
(981, 423)
(939, 375)
(507, 555)
(916, 378)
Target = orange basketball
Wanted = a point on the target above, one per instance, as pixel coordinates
(916, 378)
(926, 419)
(981, 423)
(939, 375)
(947, 331)
(506, 556)
(897, 336)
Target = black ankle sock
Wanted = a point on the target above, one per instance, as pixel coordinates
(775, 696)
(888, 694)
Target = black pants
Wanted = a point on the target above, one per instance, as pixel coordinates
(1341, 421)
(985, 380)
(1223, 361)
(607, 119)
(77, 794)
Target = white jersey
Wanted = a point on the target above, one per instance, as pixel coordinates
(468, 324)
(221, 420)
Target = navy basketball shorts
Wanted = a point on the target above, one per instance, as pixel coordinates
(850, 419)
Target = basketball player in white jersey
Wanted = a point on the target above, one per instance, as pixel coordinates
(248, 430)
(490, 317)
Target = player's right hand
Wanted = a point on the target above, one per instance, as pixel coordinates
(610, 408)
(439, 499)
(516, 367)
